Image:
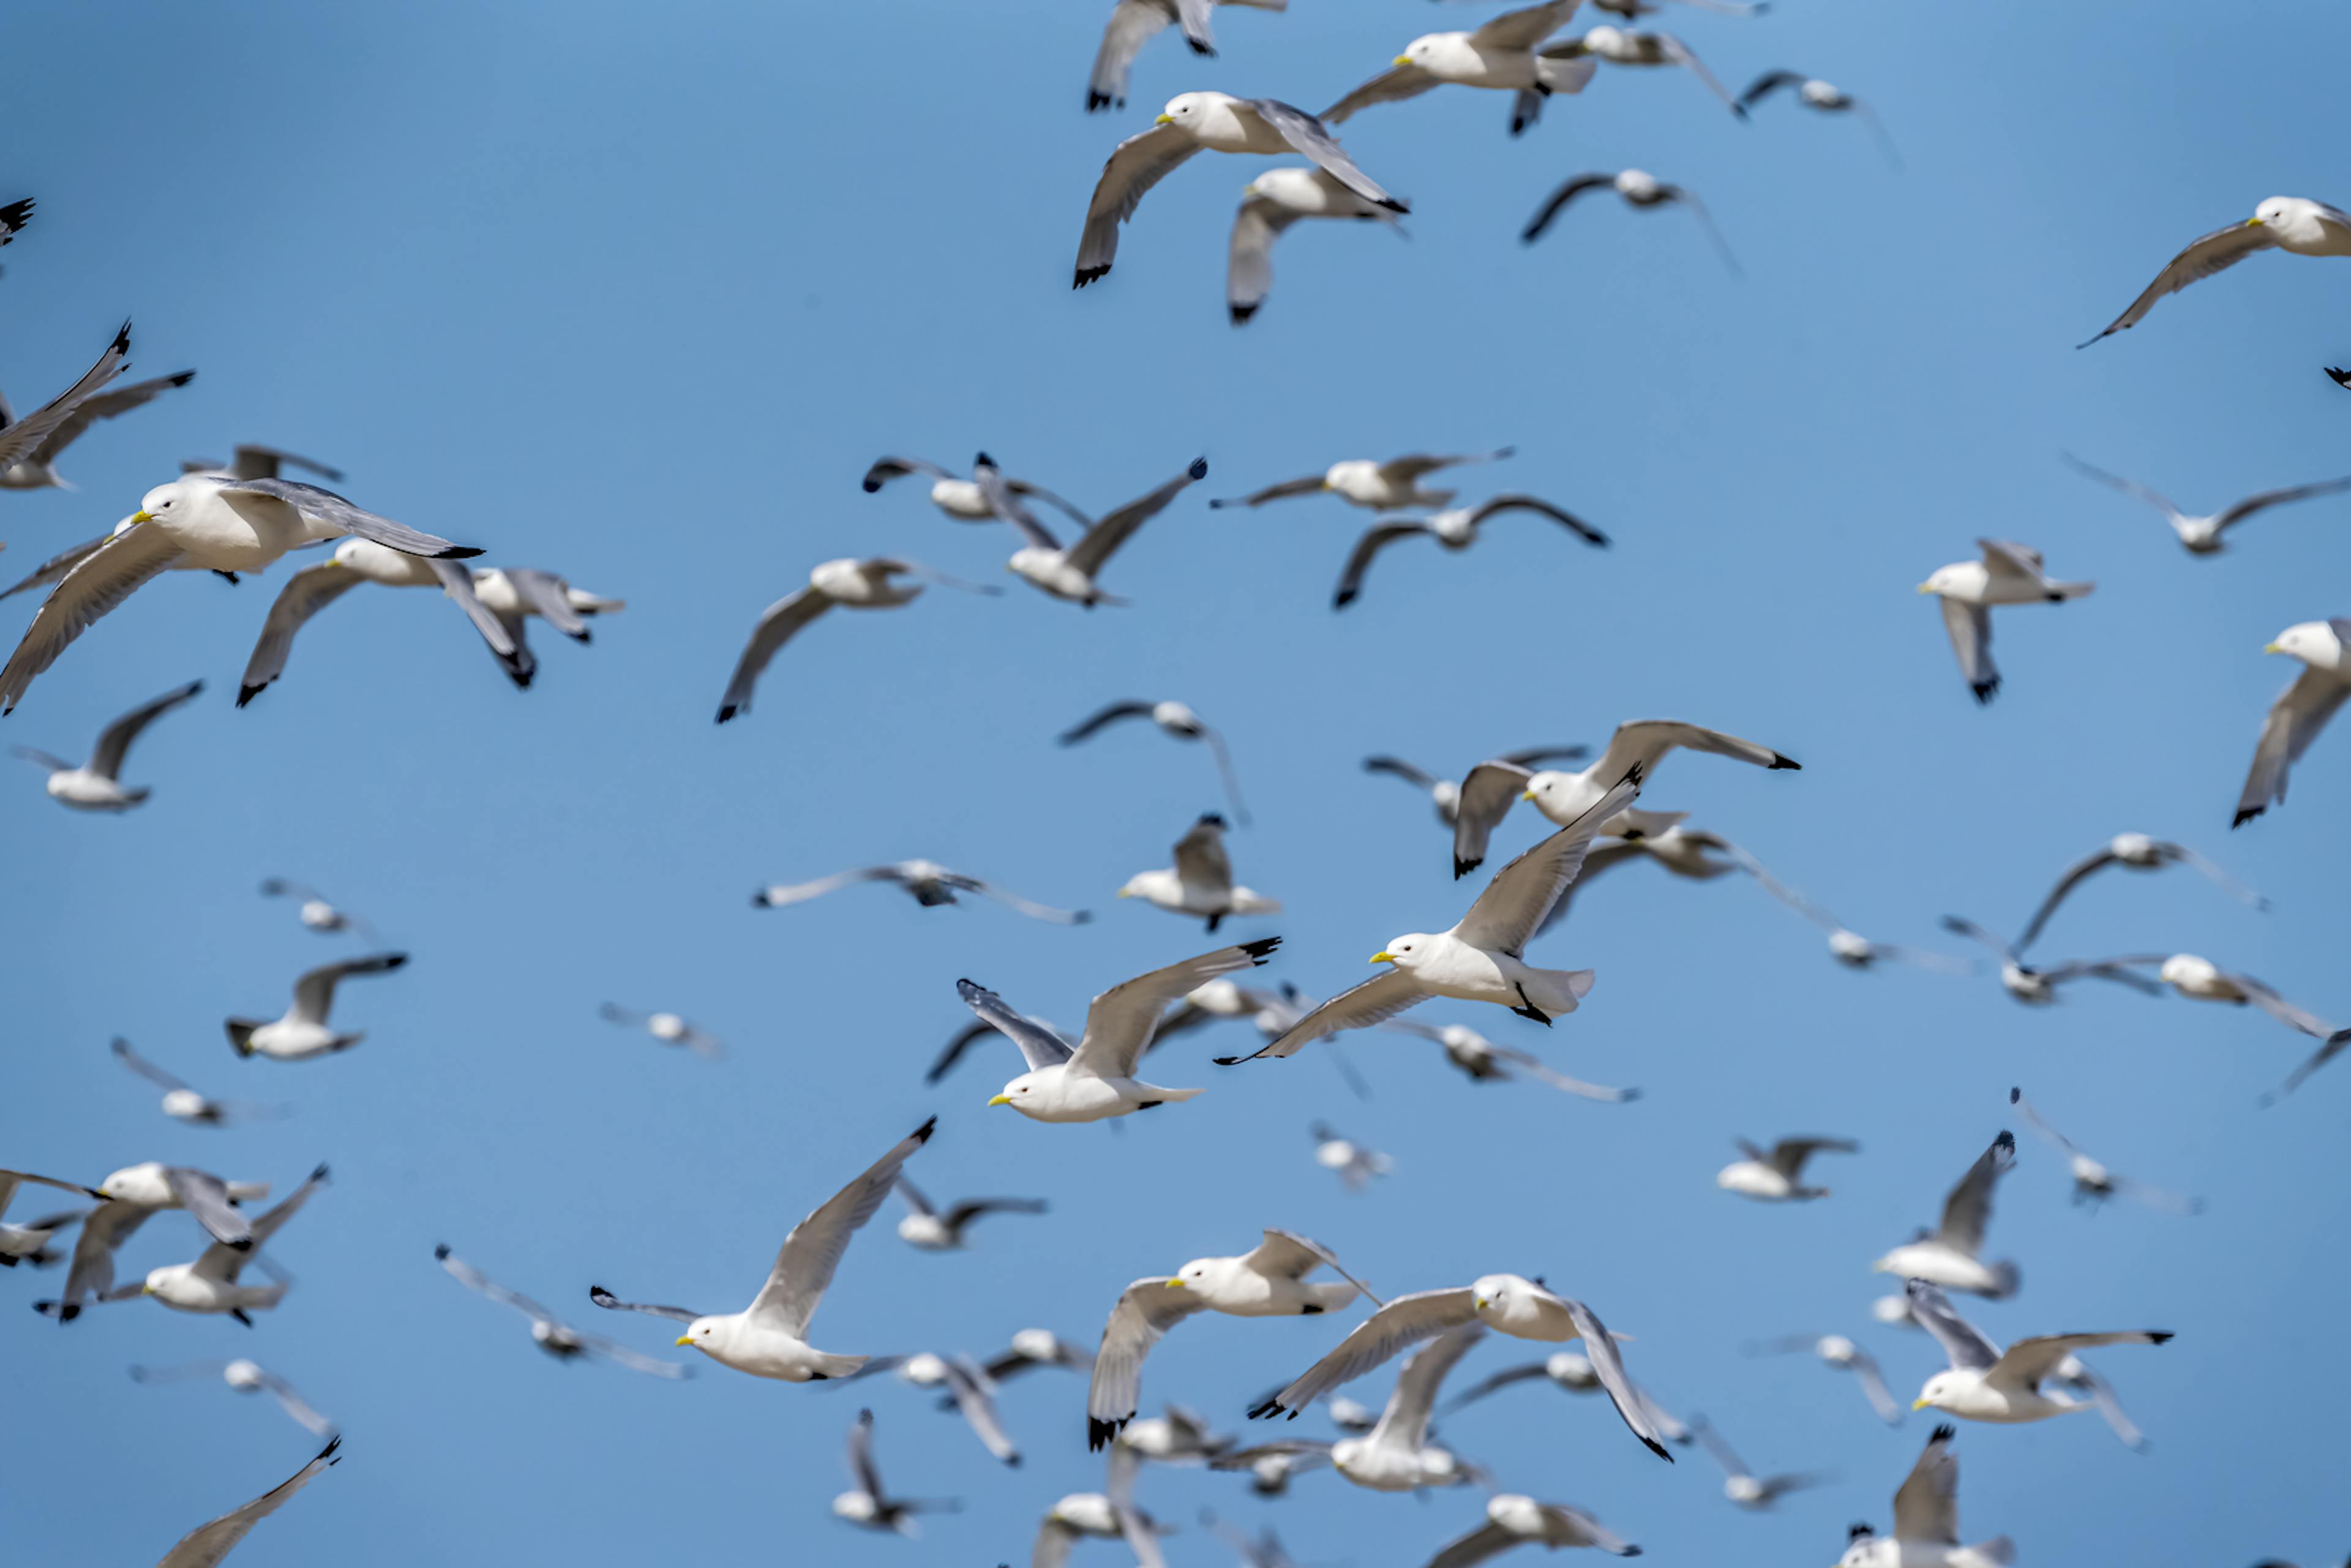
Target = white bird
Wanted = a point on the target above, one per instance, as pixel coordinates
(928, 883)
(1825, 97)
(1483, 1061)
(847, 583)
(212, 1202)
(303, 1031)
(97, 785)
(1180, 1436)
(1513, 1519)
(1742, 1486)
(967, 501)
(1504, 53)
(31, 1240)
(1070, 573)
(1378, 487)
(182, 1103)
(2093, 1182)
(2008, 573)
(1267, 1282)
(1777, 1175)
(2202, 981)
(971, 1392)
(1495, 786)
(867, 1505)
(21, 438)
(1216, 122)
(2291, 224)
(1564, 1369)
(200, 520)
(1481, 958)
(2301, 710)
(314, 911)
(204, 1546)
(550, 1332)
(935, 1230)
(38, 469)
(1984, 1383)
(1847, 946)
(1095, 1078)
(1396, 1455)
(1033, 1348)
(2202, 535)
(2036, 985)
(770, 1337)
(133, 1194)
(1109, 1514)
(1947, 1255)
(1625, 47)
(210, 1284)
(1641, 191)
(2134, 851)
(1200, 884)
(1840, 1355)
(1927, 1521)
(1176, 719)
(1134, 23)
(246, 1377)
(1454, 530)
(1355, 1165)
(667, 1028)
(1515, 1306)
(1270, 205)
(1445, 794)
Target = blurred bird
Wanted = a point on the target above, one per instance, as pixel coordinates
(97, 785)
(1947, 1255)
(2134, 851)
(182, 1103)
(968, 500)
(1777, 1175)
(2036, 985)
(928, 883)
(1201, 881)
(38, 469)
(1482, 1060)
(1816, 94)
(2202, 535)
(550, 1332)
(1927, 1521)
(1354, 1166)
(1840, 1354)
(1270, 205)
(1504, 53)
(2301, 710)
(1134, 23)
(1985, 1383)
(933, 1230)
(2093, 1182)
(1514, 1520)
(2008, 573)
(1742, 1486)
(848, 583)
(1173, 718)
(1625, 47)
(1453, 530)
(1379, 487)
(1641, 191)
(314, 911)
(667, 1028)
(246, 1377)
(303, 1032)
(866, 1504)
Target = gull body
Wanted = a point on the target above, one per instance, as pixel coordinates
(2294, 224)
(1200, 883)
(1984, 1383)
(210, 1284)
(1375, 485)
(2007, 573)
(2300, 712)
(1927, 1521)
(303, 1031)
(1947, 1255)
(1776, 1175)
(95, 785)
(1513, 1519)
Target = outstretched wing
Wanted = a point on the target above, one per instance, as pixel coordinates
(208, 1543)
(2205, 256)
(805, 1263)
(1143, 1313)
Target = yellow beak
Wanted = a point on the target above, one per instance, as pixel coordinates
(1383, 956)
(1926, 588)
(1526, 794)
(685, 1339)
(2272, 648)
(1918, 1404)
(2252, 223)
(1401, 61)
(1124, 893)
(142, 516)
(1480, 1303)
(1170, 119)
(146, 1289)
(1001, 1100)
(1175, 1283)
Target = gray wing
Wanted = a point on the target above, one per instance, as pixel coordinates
(776, 895)
(1968, 1208)
(1193, 17)
(472, 1279)
(1524, 28)
(613, 1303)
(968, 1384)
(1143, 1313)
(2204, 256)
(1287, 1255)
(1086, 726)
(1767, 84)
(1225, 772)
(138, 1064)
(502, 634)
(1789, 1155)
(2245, 508)
(1405, 1419)
(255, 462)
(1413, 465)
(1558, 201)
(1035, 911)
(1135, 166)
(224, 1259)
(2024, 1364)
(860, 1456)
(1961, 1340)
(2292, 722)
(1200, 856)
(305, 593)
(114, 740)
(9, 1179)
(1465, 1552)
(1374, 1001)
(2317, 1059)
(1390, 85)
(1675, 50)
(20, 440)
(1306, 133)
(1487, 797)
(1359, 561)
(1970, 629)
(1514, 502)
(2102, 1394)
(118, 566)
(2016, 1098)
(294, 1405)
(1001, 501)
(1401, 769)
(805, 1263)
(55, 568)
(776, 626)
(1522, 1373)
(2066, 884)
(1120, 1021)
(2266, 998)
(1403, 1322)
(1506, 915)
(2131, 488)
(1537, 756)
(1642, 1418)
(1310, 486)
(105, 405)
(314, 992)
(1926, 1504)
(1132, 23)
(1115, 527)
(1535, 1067)
(544, 592)
(1249, 262)
(205, 1198)
(331, 510)
(885, 469)
(952, 1053)
(1873, 1387)
(207, 1544)
(1039, 1046)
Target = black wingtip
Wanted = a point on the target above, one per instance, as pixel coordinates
(760, 899)
(1943, 1434)
(729, 711)
(1270, 1407)
(121, 344)
(1229, 1061)
(247, 694)
(1207, 51)
(982, 460)
(2014, 1096)
(1213, 818)
(1343, 597)
(2007, 1139)
(2245, 814)
(1789, 763)
(1199, 468)
(395, 961)
(1241, 313)
(1659, 1450)
(442, 1252)
(921, 1135)
(456, 552)
(1100, 1433)
(1260, 947)
(1099, 100)
(2160, 1336)
(1462, 868)
(1985, 691)
(1089, 274)
(870, 486)
(320, 1172)
(1392, 204)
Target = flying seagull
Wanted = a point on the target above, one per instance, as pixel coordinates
(1070, 573)
(550, 1332)
(1984, 1383)
(204, 1546)
(38, 469)
(1840, 1355)
(2036, 985)
(934, 1230)
(667, 1028)
(2134, 851)
(1825, 97)
(1513, 1519)
(967, 501)
(246, 1377)
(1641, 191)
(182, 1103)
(303, 1031)
(2008, 573)
(1505, 53)
(1483, 1061)
(2291, 224)
(929, 884)
(1445, 794)
(1376, 486)
(2202, 535)
(1742, 1486)
(1176, 719)
(1200, 883)
(95, 785)
(2093, 1182)
(867, 1505)
(1777, 1174)
(1134, 23)
(1270, 205)
(1626, 47)
(314, 911)
(1454, 530)
(2301, 710)
(1927, 1521)
(852, 585)
(1947, 1255)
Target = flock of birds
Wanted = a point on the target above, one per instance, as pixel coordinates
(239, 516)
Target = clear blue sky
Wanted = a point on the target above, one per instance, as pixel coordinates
(636, 296)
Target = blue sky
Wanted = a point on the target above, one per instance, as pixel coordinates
(638, 299)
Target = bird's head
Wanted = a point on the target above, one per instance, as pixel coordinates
(1544, 785)
(165, 501)
(1404, 952)
(701, 1333)
(1498, 1293)
(2312, 641)
(1185, 110)
(1939, 1393)
(1940, 581)
(1018, 1091)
